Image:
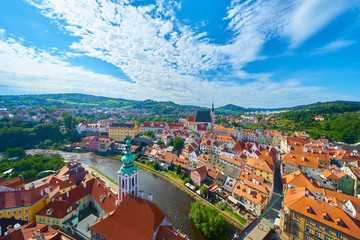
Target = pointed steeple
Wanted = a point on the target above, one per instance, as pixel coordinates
(212, 108)
(128, 160)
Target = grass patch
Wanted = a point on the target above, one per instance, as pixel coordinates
(103, 175)
(235, 215)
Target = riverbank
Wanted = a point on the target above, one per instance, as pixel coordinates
(231, 219)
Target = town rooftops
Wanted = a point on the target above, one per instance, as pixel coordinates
(135, 218)
(57, 209)
(13, 183)
(97, 189)
(326, 214)
(19, 198)
(33, 230)
(202, 171)
(244, 191)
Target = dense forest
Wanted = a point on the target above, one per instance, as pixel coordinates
(31, 167)
(341, 122)
(29, 135)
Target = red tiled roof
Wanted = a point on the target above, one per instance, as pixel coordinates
(13, 183)
(57, 209)
(19, 198)
(29, 229)
(142, 219)
(96, 188)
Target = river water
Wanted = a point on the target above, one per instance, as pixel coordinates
(173, 202)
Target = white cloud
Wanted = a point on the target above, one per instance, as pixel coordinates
(164, 58)
(333, 46)
(310, 16)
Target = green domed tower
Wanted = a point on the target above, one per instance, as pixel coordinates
(128, 177)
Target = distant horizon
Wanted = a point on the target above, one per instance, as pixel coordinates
(205, 106)
(255, 53)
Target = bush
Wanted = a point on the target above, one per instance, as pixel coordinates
(208, 220)
(156, 166)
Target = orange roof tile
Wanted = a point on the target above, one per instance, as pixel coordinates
(142, 219)
(336, 217)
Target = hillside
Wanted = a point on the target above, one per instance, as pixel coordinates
(76, 100)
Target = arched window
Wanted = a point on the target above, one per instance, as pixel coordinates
(123, 183)
(133, 182)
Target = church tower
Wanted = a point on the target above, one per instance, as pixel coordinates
(128, 174)
(212, 114)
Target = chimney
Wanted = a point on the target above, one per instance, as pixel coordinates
(150, 197)
(84, 184)
(326, 199)
(41, 192)
(303, 158)
(52, 200)
(305, 149)
(312, 151)
(141, 193)
(60, 198)
(249, 191)
(67, 194)
(320, 151)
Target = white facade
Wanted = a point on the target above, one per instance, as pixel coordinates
(128, 184)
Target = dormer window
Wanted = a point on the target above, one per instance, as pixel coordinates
(49, 211)
(69, 209)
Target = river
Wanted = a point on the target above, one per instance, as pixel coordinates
(173, 202)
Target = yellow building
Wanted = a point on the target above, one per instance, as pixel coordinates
(119, 131)
(58, 213)
(304, 217)
(22, 204)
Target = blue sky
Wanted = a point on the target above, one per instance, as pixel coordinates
(249, 53)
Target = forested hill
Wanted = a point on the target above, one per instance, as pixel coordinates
(341, 121)
(330, 107)
(78, 100)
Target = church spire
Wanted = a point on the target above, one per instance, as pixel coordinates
(212, 108)
(128, 174)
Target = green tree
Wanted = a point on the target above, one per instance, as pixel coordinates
(208, 220)
(15, 152)
(178, 143)
(156, 166)
(171, 167)
(178, 169)
(204, 190)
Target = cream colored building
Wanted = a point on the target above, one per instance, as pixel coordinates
(119, 131)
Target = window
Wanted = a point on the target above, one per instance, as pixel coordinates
(308, 220)
(26, 217)
(25, 210)
(20, 217)
(317, 233)
(327, 229)
(19, 211)
(339, 234)
(294, 231)
(296, 223)
(308, 229)
(318, 225)
(307, 237)
(14, 212)
(0, 214)
(326, 237)
(293, 238)
(296, 215)
(8, 212)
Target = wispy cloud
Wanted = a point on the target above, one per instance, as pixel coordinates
(333, 46)
(164, 58)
